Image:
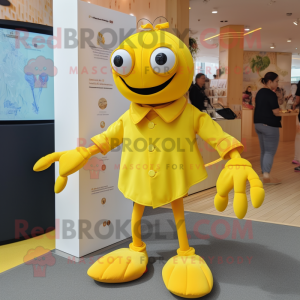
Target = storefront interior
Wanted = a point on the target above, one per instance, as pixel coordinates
(50, 237)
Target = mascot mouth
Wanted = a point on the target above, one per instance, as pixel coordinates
(150, 90)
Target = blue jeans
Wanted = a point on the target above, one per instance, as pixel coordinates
(268, 140)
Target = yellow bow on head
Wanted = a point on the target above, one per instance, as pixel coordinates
(157, 27)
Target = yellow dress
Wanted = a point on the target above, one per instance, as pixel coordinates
(160, 158)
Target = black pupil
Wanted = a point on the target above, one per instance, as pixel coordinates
(161, 59)
(118, 61)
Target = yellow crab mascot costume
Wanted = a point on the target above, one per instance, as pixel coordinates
(160, 159)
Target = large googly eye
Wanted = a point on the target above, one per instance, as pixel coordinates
(162, 60)
(121, 62)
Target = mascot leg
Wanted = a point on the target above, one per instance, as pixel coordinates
(125, 264)
(186, 274)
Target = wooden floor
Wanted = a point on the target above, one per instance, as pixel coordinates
(282, 202)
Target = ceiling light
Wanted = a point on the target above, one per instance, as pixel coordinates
(189, 7)
(247, 28)
(132, 14)
(249, 32)
(211, 37)
(272, 46)
(234, 32)
(289, 40)
(296, 22)
(214, 11)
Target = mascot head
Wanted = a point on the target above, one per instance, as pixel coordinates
(152, 67)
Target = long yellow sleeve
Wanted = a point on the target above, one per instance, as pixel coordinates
(111, 138)
(212, 133)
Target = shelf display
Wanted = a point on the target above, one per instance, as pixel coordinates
(218, 89)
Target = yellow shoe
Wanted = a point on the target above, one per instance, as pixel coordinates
(187, 275)
(121, 265)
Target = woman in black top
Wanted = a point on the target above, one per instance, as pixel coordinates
(297, 102)
(296, 159)
(197, 93)
(267, 124)
(247, 95)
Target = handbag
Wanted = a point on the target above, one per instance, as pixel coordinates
(226, 113)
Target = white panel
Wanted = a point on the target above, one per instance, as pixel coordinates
(66, 119)
(77, 115)
(96, 82)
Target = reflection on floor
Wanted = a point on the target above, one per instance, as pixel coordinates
(261, 262)
(14, 254)
(282, 202)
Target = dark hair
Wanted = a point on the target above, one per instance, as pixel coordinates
(246, 92)
(268, 76)
(198, 76)
(215, 76)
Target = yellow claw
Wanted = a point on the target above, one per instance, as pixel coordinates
(240, 205)
(42, 164)
(235, 174)
(60, 184)
(46, 161)
(221, 202)
(73, 161)
(257, 191)
(69, 163)
(257, 196)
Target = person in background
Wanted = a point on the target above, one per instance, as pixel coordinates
(189, 91)
(280, 92)
(215, 76)
(197, 94)
(207, 86)
(192, 84)
(247, 95)
(267, 123)
(297, 101)
(297, 139)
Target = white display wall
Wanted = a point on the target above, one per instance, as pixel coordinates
(86, 103)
